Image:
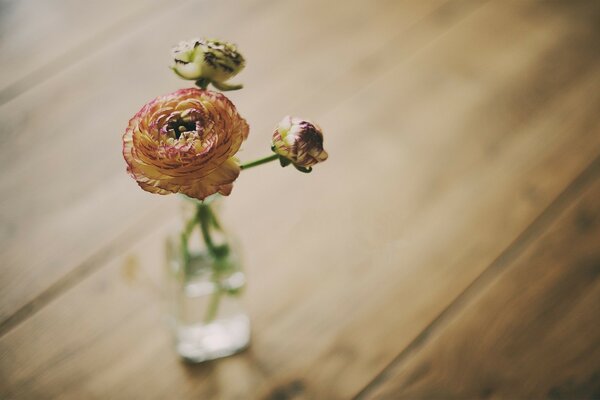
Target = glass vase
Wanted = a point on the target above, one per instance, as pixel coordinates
(205, 280)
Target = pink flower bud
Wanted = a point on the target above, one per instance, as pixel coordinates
(299, 141)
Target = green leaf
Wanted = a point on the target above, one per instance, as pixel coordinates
(306, 170)
(225, 87)
(284, 161)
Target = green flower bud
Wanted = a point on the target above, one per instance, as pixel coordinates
(209, 61)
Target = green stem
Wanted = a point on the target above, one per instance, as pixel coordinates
(202, 83)
(206, 218)
(260, 161)
(213, 306)
(185, 237)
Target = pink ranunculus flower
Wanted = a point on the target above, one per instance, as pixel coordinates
(185, 142)
(299, 141)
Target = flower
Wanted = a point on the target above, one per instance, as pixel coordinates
(210, 60)
(185, 142)
(300, 142)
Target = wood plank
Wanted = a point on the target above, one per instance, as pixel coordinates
(51, 189)
(38, 39)
(86, 120)
(325, 328)
(532, 333)
(427, 240)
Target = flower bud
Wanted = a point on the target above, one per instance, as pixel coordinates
(299, 142)
(209, 60)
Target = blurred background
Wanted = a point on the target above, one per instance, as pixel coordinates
(449, 247)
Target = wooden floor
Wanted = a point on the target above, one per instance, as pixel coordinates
(449, 248)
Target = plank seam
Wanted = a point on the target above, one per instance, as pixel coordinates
(95, 261)
(79, 52)
(492, 272)
(101, 257)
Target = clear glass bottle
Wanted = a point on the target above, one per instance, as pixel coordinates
(204, 282)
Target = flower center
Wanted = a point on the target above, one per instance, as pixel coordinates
(179, 123)
(176, 128)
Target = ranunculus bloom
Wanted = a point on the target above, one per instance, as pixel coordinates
(299, 141)
(185, 142)
(212, 60)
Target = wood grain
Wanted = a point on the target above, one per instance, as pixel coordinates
(448, 138)
(38, 39)
(71, 119)
(462, 211)
(532, 333)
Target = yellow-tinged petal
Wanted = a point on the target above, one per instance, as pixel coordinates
(184, 142)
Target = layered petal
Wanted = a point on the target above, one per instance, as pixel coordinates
(184, 142)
